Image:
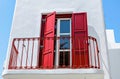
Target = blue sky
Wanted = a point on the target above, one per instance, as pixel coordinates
(111, 13)
(112, 16)
(6, 14)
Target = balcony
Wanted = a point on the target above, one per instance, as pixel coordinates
(26, 53)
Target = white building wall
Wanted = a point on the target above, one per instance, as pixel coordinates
(27, 18)
(114, 54)
(111, 40)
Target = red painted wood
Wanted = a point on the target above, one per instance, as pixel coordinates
(60, 16)
(48, 51)
(80, 55)
(41, 41)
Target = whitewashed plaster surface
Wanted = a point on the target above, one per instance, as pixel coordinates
(111, 40)
(114, 54)
(27, 21)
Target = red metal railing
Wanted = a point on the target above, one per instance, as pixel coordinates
(13, 57)
(93, 53)
(25, 54)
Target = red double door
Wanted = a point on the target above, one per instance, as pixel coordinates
(80, 55)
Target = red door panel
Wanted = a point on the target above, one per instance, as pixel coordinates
(80, 55)
(48, 51)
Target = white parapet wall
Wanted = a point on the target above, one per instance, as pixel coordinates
(27, 22)
(111, 40)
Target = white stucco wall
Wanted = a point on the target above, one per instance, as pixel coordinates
(27, 18)
(114, 54)
(111, 40)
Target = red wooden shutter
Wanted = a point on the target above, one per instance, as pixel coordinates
(80, 55)
(48, 51)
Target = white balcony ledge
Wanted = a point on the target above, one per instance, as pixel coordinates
(52, 71)
(53, 74)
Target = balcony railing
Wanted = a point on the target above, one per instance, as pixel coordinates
(25, 54)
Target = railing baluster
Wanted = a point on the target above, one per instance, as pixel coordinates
(17, 49)
(15, 60)
(94, 53)
(27, 53)
(32, 53)
(38, 52)
(22, 54)
(90, 53)
(10, 60)
(97, 55)
(12, 55)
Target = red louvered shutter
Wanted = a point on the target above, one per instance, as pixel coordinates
(80, 55)
(48, 51)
